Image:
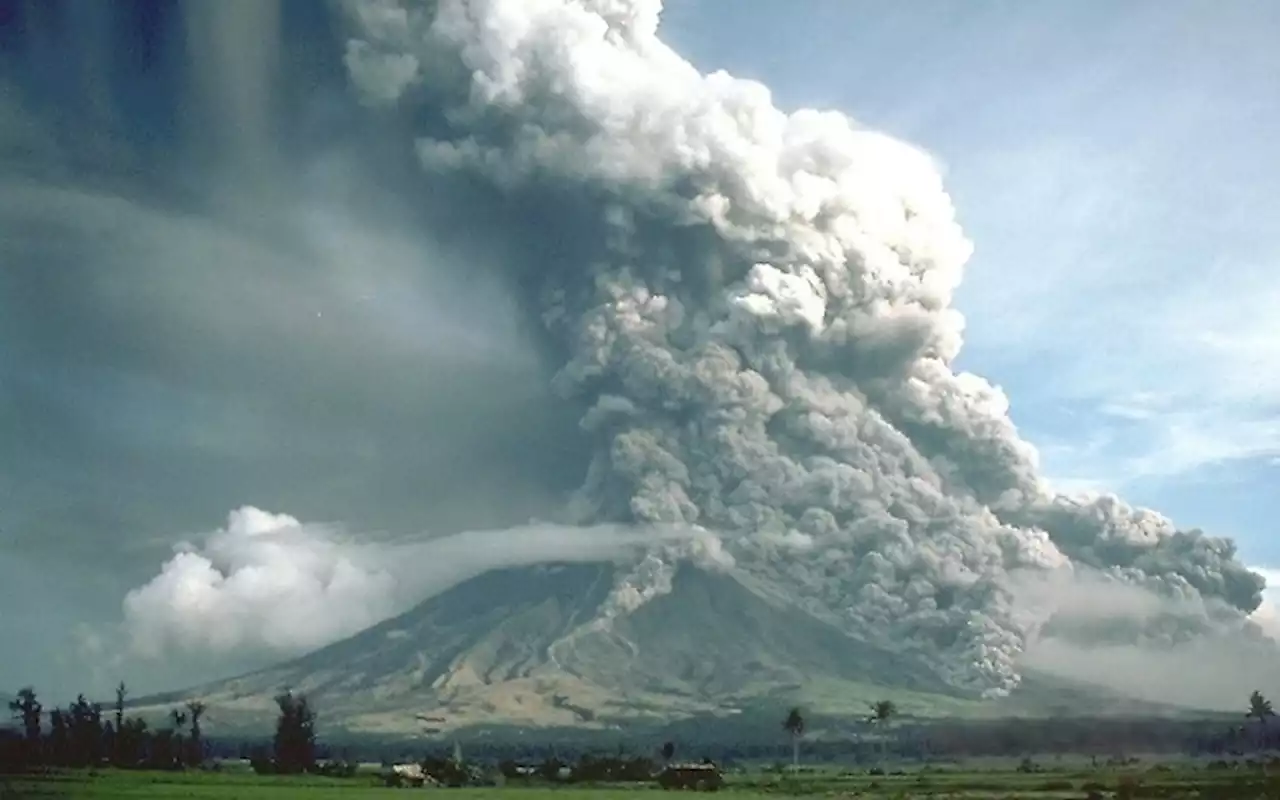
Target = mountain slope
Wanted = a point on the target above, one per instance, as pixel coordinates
(525, 647)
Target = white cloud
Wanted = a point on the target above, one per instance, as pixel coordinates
(264, 581)
(268, 584)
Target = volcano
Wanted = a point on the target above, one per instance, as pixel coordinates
(751, 313)
(529, 648)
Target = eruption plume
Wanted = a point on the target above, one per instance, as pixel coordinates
(754, 309)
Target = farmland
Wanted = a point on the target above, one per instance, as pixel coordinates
(1170, 780)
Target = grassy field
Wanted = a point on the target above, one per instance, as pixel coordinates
(955, 782)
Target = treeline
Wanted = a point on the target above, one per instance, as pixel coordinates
(83, 735)
(910, 740)
(80, 736)
(1097, 736)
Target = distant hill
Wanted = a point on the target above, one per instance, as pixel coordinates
(525, 648)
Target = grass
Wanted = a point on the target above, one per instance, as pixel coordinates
(1140, 781)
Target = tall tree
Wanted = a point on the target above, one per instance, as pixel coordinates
(109, 741)
(121, 693)
(28, 711)
(119, 741)
(1261, 710)
(179, 719)
(668, 751)
(881, 712)
(84, 722)
(131, 741)
(794, 725)
(295, 739)
(59, 738)
(161, 753)
(195, 710)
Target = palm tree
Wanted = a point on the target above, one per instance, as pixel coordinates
(881, 712)
(1261, 710)
(794, 725)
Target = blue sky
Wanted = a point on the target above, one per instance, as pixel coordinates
(1116, 166)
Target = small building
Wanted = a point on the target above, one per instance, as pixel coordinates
(699, 777)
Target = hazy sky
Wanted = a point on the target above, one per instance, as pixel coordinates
(178, 340)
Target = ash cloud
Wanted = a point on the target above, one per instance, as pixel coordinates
(754, 309)
(1208, 672)
(1108, 630)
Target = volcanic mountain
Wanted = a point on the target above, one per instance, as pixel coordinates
(529, 648)
(752, 309)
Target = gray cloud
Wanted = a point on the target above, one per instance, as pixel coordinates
(175, 341)
(756, 308)
(299, 355)
(1209, 672)
(1129, 634)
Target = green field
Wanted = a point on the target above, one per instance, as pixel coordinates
(954, 782)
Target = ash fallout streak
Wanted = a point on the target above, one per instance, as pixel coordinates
(753, 308)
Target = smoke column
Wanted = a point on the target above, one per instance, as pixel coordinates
(754, 310)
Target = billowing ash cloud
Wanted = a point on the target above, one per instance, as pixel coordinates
(267, 584)
(754, 307)
(1124, 636)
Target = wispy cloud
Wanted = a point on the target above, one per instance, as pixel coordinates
(1143, 316)
(1158, 381)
